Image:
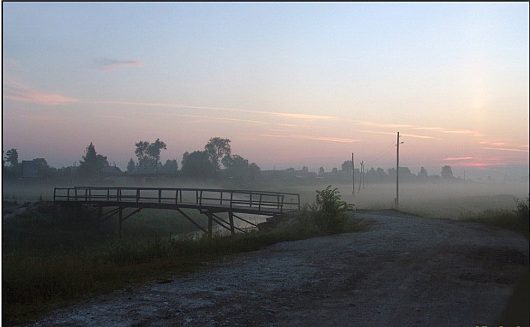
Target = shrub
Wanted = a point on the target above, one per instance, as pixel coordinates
(329, 210)
(516, 220)
(522, 209)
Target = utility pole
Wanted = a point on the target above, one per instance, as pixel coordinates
(397, 172)
(353, 175)
(364, 174)
(361, 175)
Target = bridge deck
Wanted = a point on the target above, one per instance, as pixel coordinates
(212, 200)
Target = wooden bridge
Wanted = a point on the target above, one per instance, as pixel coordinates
(210, 202)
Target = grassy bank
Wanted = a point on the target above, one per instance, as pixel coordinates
(516, 219)
(52, 256)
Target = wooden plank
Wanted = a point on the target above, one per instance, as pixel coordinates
(227, 226)
(210, 224)
(132, 213)
(261, 203)
(191, 220)
(231, 218)
(248, 222)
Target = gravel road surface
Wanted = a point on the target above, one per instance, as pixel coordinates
(403, 271)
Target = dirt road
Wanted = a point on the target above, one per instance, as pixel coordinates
(403, 271)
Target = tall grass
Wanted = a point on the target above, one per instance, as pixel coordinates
(52, 255)
(516, 219)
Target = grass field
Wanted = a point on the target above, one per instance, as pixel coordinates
(52, 256)
(430, 200)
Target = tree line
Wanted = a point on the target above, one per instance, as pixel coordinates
(214, 160)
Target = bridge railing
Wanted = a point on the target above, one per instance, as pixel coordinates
(198, 196)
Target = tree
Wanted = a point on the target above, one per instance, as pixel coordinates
(170, 167)
(131, 166)
(347, 166)
(422, 173)
(197, 165)
(92, 162)
(42, 167)
(154, 151)
(254, 171)
(141, 153)
(12, 157)
(238, 168)
(148, 154)
(217, 149)
(447, 172)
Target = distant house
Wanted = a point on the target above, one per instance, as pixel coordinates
(110, 171)
(36, 168)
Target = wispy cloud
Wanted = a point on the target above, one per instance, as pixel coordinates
(376, 132)
(479, 164)
(183, 106)
(107, 64)
(401, 134)
(457, 158)
(310, 137)
(384, 125)
(428, 128)
(39, 118)
(505, 149)
(463, 131)
(239, 120)
(18, 92)
(417, 136)
(303, 116)
(492, 143)
(294, 125)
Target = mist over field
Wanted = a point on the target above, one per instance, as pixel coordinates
(443, 200)
(258, 164)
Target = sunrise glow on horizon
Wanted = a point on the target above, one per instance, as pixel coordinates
(289, 84)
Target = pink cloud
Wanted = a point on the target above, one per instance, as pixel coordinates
(402, 134)
(464, 131)
(417, 136)
(478, 164)
(429, 128)
(492, 143)
(107, 64)
(505, 149)
(303, 116)
(457, 158)
(24, 94)
(182, 106)
(383, 125)
(315, 138)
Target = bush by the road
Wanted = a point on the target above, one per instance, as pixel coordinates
(329, 210)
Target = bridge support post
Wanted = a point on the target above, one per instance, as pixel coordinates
(210, 224)
(120, 219)
(231, 219)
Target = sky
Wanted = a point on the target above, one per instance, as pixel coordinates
(289, 84)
